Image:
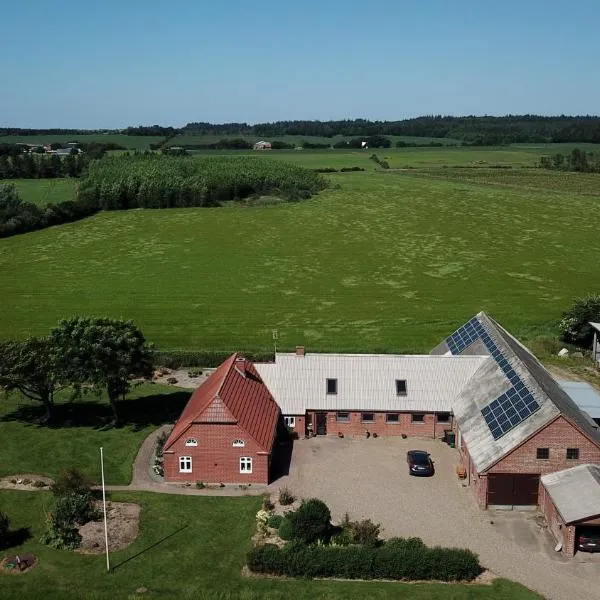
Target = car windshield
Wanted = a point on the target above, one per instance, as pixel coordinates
(420, 459)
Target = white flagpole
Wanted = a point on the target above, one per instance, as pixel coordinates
(104, 505)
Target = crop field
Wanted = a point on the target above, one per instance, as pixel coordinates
(377, 262)
(44, 191)
(132, 142)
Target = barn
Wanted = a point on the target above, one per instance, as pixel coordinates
(226, 431)
(514, 422)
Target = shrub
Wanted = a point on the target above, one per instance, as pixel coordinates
(268, 505)
(4, 529)
(274, 521)
(574, 325)
(71, 481)
(312, 521)
(61, 535)
(363, 532)
(398, 559)
(286, 528)
(286, 497)
(75, 508)
(200, 485)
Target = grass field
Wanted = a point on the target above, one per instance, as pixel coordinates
(379, 262)
(190, 547)
(132, 142)
(44, 191)
(78, 431)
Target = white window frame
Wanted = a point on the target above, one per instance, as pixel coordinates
(183, 464)
(191, 442)
(289, 421)
(246, 465)
(238, 443)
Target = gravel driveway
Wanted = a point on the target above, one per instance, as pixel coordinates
(368, 478)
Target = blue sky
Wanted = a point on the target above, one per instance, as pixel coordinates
(114, 63)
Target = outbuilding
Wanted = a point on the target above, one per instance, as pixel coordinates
(570, 501)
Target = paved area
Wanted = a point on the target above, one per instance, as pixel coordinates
(368, 478)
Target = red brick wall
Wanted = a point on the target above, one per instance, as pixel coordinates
(355, 427)
(214, 459)
(478, 483)
(300, 427)
(557, 436)
(556, 525)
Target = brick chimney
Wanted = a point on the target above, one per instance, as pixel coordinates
(299, 350)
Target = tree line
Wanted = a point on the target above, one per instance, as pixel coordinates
(578, 160)
(42, 166)
(473, 130)
(482, 130)
(82, 354)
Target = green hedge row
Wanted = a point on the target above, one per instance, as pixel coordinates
(175, 359)
(399, 559)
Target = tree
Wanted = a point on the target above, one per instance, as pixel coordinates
(29, 366)
(575, 325)
(4, 529)
(101, 352)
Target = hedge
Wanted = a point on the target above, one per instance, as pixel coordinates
(399, 559)
(175, 359)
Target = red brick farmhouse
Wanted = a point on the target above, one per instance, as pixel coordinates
(226, 431)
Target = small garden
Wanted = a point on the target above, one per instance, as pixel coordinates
(304, 542)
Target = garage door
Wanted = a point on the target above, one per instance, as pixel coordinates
(511, 490)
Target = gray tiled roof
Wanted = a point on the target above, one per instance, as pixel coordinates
(489, 382)
(575, 492)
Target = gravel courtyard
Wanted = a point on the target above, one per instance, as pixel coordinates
(368, 478)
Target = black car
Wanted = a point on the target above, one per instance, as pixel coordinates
(589, 539)
(419, 463)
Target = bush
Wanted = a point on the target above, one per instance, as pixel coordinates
(286, 528)
(268, 505)
(75, 508)
(4, 529)
(574, 325)
(71, 481)
(365, 532)
(286, 497)
(399, 559)
(61, 535)
(311, 522)
(200, 485)
(274, 521)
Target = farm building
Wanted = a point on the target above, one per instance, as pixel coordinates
(226, 431)
(596, 342)
(570, 501)
(262, 145)
(367, 394)
(514, 422)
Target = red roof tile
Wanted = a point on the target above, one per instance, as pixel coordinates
(233, 393)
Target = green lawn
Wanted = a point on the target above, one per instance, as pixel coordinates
(79, 429)
(378, 262)
(132, 142)
(190, 547)
(44, 191)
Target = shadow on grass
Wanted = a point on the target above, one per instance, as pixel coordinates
(137, 412)
(157, 543)
(16, 537)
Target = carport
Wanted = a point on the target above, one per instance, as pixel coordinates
(570, 500)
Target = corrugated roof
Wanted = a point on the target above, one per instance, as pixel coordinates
(490, 381)
(366, 381)
(575, 492)
(234, 392)
(584, 395)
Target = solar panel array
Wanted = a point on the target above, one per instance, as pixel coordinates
(514, 406)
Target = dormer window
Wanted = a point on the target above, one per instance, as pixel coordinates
(238, 443)
(332, 386)
(191, 442)
(400, 387)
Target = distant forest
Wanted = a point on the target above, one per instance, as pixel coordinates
(485, 131)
